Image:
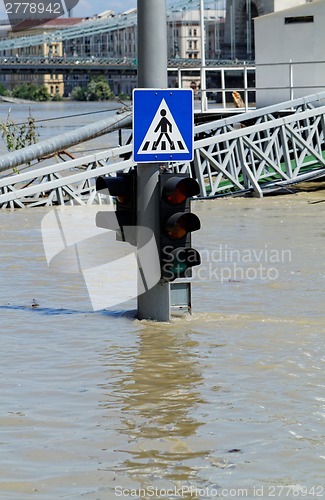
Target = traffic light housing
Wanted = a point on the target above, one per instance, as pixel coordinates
(176, 225)
(123, 187)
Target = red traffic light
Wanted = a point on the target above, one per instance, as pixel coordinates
(176, 225)
(176, 190)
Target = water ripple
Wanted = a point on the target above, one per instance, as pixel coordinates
(53, 311)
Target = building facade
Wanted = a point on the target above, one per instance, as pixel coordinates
(54, 82)
(184, 34)
(229, 35)
(290, 60)
(239, 36)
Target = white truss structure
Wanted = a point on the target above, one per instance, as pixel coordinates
(252, 153)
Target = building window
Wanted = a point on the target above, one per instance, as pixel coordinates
(298, 19)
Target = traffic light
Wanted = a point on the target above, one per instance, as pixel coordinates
(176, 225)
(123, 188)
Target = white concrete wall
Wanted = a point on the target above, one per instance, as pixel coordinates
(287, 4)
(277, 43)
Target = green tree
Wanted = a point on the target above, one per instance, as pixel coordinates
(78, 93)
(25, 91)
(57, 97)
(19, 136)
(3, 90)
(98, 90)
(31, 92)
(42, 94)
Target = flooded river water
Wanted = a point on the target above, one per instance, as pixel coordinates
(54, 118)
(229, 402)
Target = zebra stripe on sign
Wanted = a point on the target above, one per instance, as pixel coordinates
(163, 135)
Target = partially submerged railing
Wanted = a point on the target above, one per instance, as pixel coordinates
(263, 156)
(251, 153)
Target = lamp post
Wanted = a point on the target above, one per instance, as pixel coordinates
(204, 103)
(152, 73)
(249, 28)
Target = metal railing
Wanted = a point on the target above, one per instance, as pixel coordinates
(251, 153)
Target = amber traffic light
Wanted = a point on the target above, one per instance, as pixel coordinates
(176, 225)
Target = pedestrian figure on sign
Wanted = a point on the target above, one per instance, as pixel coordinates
(164, 126)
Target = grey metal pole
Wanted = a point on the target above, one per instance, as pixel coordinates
(204, 102)
(152, 44)
(63, 141)
(152, 73)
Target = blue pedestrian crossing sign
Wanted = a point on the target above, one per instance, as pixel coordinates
(162, 125)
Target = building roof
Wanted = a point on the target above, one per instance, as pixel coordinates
(58, 23)
(309, 5)
(106, 13)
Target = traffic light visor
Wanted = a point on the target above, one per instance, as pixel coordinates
(120, 187)
(179, 224)
(176, 190)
